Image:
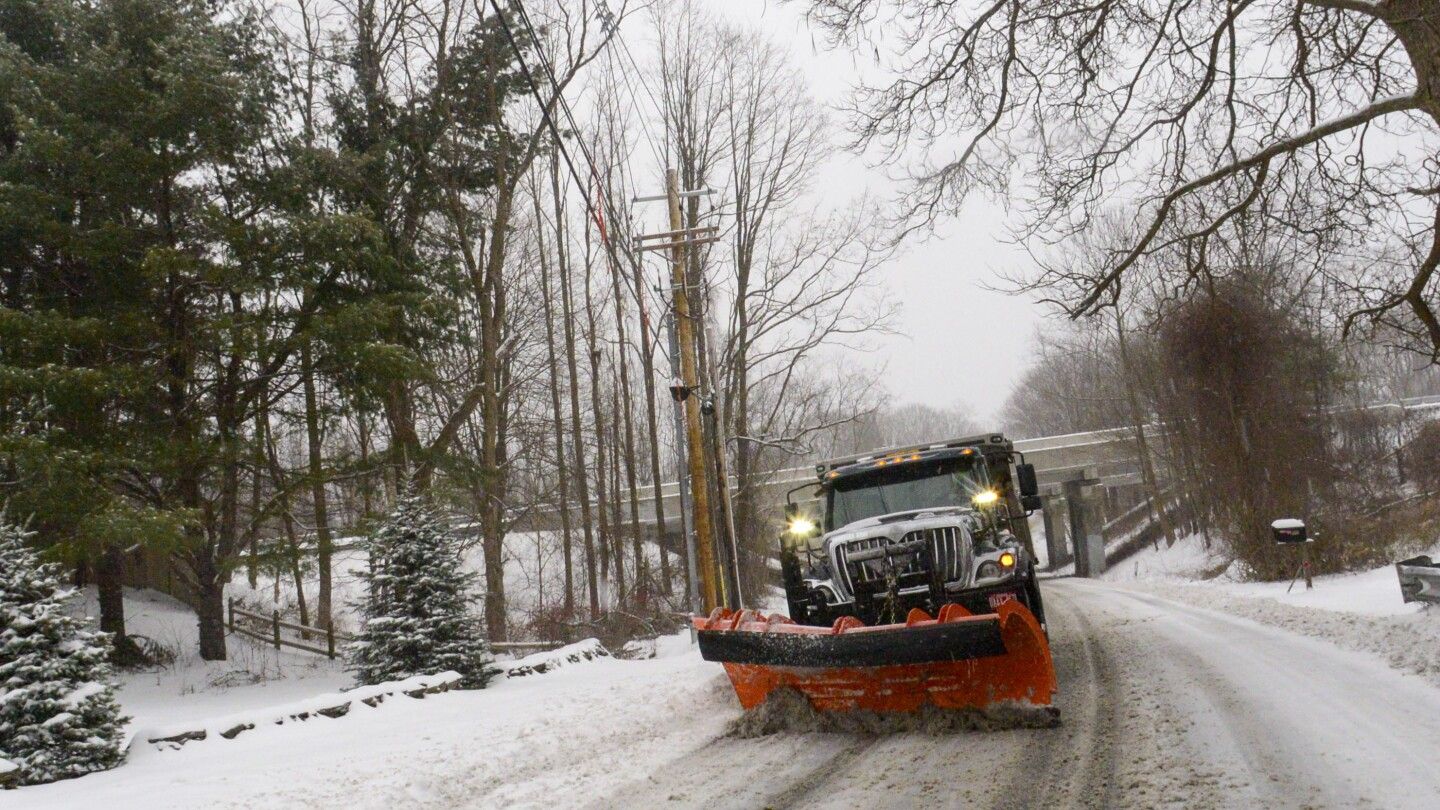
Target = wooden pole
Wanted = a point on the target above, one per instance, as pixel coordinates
(330, 639)
(275, 626)
(689, 377)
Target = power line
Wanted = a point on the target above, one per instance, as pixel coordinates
(535, 90)
(548, 69)
(565, 109)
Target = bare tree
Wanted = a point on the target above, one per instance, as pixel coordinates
(787, 285)
(1317, 116)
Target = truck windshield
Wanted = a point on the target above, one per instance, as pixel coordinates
(943, 482)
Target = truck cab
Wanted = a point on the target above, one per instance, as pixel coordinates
(913, 527)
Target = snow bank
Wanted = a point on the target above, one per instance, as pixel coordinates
(1371, 593)
(331, 705)
(551, 660)
(1408, 642)
(561, 740)
(1185, 561)
(255, 677)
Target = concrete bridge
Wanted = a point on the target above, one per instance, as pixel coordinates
(1090, 483)
(1076, 468)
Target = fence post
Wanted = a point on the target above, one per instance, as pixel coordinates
(330, 639)
(275, 626)
(230, 603)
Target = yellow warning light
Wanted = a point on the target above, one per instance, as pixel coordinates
(986, 497)
(1007, 560)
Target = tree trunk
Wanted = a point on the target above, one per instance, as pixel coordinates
(627, 449)
(252, 546)
(567, 306)
(601, 501)
(323, 548)
(652, 426)
(110, 582)
(367, 474)
(617, 523)
(562, 471)
(287, 518)
(210, 607)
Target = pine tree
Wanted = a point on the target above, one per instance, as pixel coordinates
(417, 618)
(58, 715)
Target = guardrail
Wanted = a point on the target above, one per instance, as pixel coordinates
(1419, 579)
(274, 624)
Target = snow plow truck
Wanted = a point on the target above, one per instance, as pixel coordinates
(910, 580)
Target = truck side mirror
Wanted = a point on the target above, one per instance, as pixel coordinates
(1025, 477)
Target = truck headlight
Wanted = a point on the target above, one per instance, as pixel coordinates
(987, 570)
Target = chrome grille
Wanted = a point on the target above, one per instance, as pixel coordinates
(874, 569)
(946, 544)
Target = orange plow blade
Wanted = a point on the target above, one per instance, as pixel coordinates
(956, 661)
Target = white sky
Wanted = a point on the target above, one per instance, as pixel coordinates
(962, 343)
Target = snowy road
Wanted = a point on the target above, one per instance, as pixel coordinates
(1163, 705)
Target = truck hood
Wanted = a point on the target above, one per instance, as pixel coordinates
(864, 527)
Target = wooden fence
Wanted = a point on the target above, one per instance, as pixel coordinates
(265, 628)
(524, 646)
(252, 621)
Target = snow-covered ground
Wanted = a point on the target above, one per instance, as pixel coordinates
(1372, 593)
(574, 732)
(1164, 704)
(189, 688)
(1175, 691)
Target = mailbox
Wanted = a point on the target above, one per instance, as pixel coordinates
(1288, 531)
(1419, 579)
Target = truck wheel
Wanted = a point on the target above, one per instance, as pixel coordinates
(1033, 600)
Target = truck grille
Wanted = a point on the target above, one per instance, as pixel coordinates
(945, 544)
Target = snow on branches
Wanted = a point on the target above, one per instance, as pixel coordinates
(58, 715)
(416, 613)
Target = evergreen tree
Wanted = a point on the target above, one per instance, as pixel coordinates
(416, 613)
(58, 715)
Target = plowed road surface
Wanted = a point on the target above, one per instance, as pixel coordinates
(1162, 705)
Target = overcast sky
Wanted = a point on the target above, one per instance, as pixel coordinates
(961, 342)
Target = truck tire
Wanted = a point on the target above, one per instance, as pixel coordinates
(1033, 601)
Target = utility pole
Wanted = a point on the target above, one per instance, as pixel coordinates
(692, 597)
(686, 389)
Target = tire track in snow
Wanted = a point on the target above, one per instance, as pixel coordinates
(1291, 713)
(821, 776)
(1073, 766)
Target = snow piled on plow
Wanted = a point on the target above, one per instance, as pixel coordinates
(787, 711)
